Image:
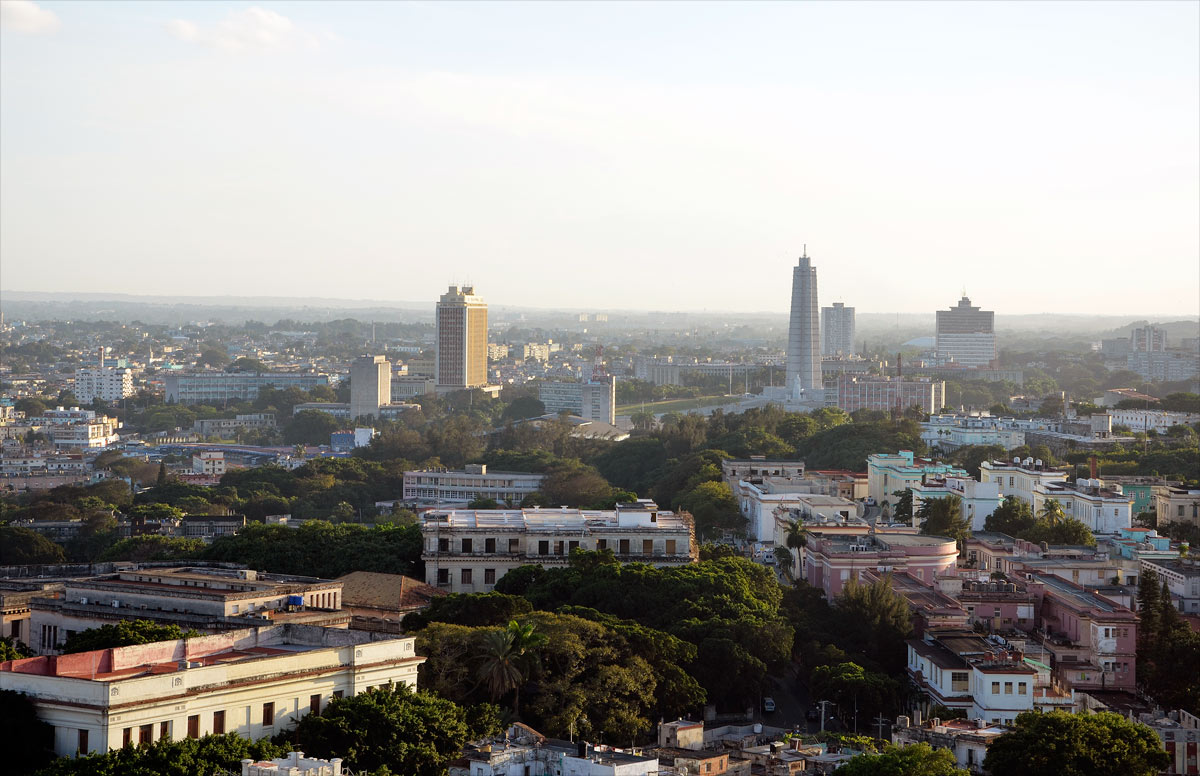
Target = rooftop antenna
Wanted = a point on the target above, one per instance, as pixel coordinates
(805, 256)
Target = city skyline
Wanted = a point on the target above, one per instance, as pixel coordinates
(917, 149)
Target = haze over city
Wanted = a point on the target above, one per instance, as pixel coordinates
(673, 156)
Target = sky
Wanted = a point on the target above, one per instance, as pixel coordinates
(1043, 157)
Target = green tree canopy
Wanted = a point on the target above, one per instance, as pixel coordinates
(123, 634)
(406, 731)
(169, 757)
(1063, 744)
(21, 546)
(916, 760)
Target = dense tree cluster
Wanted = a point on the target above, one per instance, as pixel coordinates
(1062, 744)
(728, 608)
(1165, 644)
(1015, 518)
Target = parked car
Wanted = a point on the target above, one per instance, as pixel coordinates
(768, 704)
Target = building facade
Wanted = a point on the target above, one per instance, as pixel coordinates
(462, 333)
(107, 384)
(837, 330)
(467, 551)
(255, 682)
(861, 392)
(441, 486)
(832, 560)
(978, 499)
(1178, 505)
(221, 387)
(890, 472)
(593, 400)
(370, 386)
(966, 335)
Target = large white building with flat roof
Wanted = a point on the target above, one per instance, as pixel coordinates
(255, 682)
(445, 486)
(593, 400)
(468, 550)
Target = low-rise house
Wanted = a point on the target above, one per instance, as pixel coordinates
(525, 752)
(959, 669)
(255, 682)
(295, 764)
(967, 739)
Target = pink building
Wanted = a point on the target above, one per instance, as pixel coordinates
(1092, 638)
(832, 560)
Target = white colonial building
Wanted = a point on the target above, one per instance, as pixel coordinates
(467, 551)
(255, 682)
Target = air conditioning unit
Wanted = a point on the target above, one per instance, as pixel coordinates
(83, 601)
(116, 604)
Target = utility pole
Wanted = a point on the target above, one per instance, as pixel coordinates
(822, 704)
(880, 721)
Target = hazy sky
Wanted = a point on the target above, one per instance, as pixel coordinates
(1045, 156)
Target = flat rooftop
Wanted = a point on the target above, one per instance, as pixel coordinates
(1079, 595)
(550, 519)
(167, 657)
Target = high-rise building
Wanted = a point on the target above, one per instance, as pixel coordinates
(462, 331)
(1145, 339)
(804, 336)
(837, 330)
(966, 335)
(370, 386)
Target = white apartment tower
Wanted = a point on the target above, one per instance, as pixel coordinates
(837, 330)
(370, 386)
(104, 383)
(966, 335)
(804, 336)
(462, 328)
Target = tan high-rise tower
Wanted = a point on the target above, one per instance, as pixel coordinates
(462, 332)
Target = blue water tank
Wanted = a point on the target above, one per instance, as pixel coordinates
(295, 600)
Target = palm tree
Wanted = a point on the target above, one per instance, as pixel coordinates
(506, 658)
(498, 664)
(1052, 512)
(797, 539)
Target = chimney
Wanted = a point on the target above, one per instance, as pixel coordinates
(1092, 467)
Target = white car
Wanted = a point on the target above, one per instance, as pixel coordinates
(768, 704)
